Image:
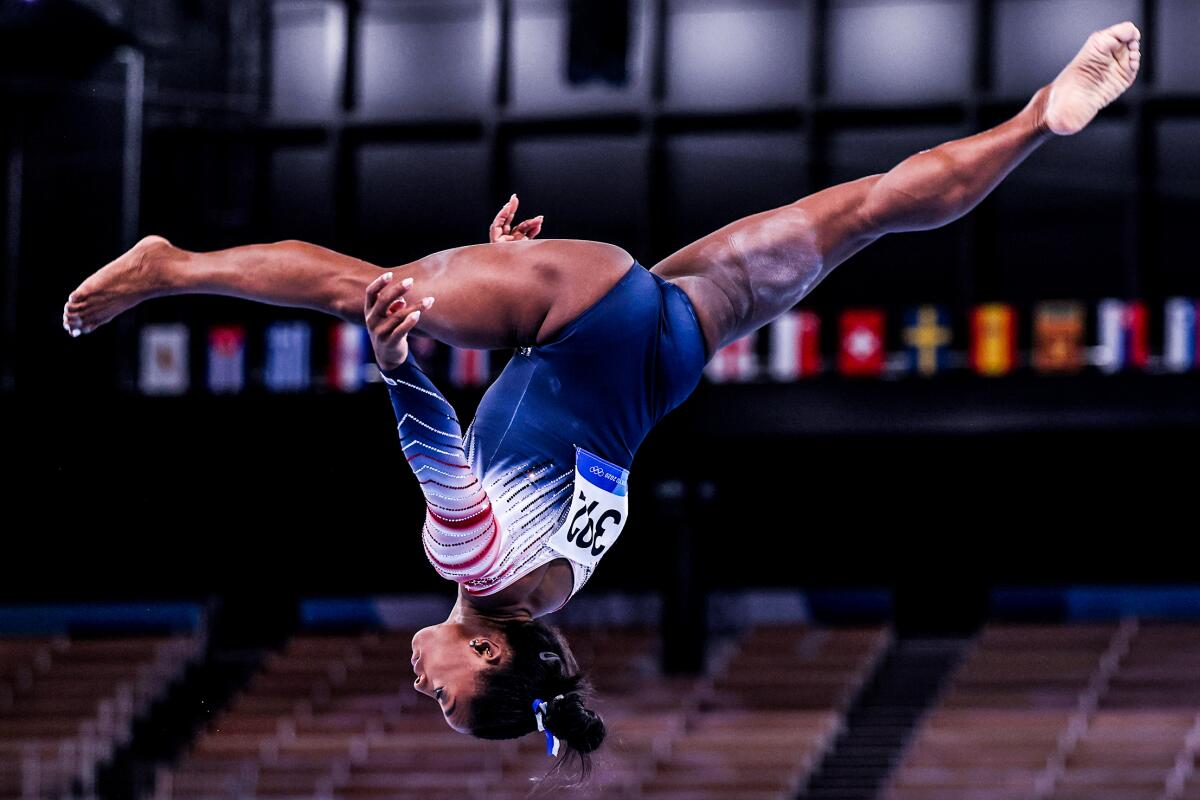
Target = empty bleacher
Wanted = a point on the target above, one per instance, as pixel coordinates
(1102, 712)
(67, 704)
(336, 717)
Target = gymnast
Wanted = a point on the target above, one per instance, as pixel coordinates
(524, 504)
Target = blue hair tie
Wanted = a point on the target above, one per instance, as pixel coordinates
(541, 707)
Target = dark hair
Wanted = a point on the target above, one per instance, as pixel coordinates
(540, 665)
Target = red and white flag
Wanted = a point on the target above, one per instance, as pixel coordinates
(349, 346)
(861, 349)
(226, 359)
(795, 346)
(736, 362)
(469, 367)
(1122, 327)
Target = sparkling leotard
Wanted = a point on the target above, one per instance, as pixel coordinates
(496, 494)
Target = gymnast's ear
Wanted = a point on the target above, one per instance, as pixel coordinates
(490, 649)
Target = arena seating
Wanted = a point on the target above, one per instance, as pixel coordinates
(336, 717)
(67, 704)
(1105, 712)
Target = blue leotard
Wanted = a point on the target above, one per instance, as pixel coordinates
(497, 494)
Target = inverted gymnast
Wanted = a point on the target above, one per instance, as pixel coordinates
(522, 507)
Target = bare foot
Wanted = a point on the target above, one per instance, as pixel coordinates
(1102, 70)
(136, 276)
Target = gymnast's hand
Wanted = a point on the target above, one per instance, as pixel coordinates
(390, 317)
(502, 229)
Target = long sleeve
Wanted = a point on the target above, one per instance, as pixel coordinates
(460, 534)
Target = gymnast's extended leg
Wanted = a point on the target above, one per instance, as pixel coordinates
(489, 295)
(752, 270)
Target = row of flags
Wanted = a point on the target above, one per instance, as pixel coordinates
(165, 364)
(926, 346)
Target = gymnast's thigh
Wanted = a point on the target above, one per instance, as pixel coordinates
(747, 273)
(511, 294)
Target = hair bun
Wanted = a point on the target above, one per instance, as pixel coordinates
(579, 727)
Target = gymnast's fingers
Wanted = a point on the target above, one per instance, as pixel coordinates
(400, 313)
(529, 228)
(395, 306)
(500, 225)
(372, 292)
(387, 296)
(496, 231)
(399, 323)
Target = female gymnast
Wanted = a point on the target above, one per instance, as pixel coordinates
(522, 506)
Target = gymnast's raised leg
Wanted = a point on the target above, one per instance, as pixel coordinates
(504, 294)
(752, 270)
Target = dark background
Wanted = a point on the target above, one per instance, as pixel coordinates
(389, 130)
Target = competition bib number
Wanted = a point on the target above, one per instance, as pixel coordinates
(599, 508)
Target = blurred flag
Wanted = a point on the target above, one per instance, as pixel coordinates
(735, 362)
(861, 350)
(1058, 336)
(226, 359)
(287, 356)
(1181, 340)
(164, 361)
(469, 367)
(993, 339)
(927, 336)
(349, 354)
(795, 345)
(1122, 329)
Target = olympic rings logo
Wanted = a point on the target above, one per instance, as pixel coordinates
(596, 470)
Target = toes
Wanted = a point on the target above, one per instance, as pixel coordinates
(73, 323)
(1114, 37)
(1106, 43)
(1126, 32)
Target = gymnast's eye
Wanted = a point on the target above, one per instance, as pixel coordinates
(437, 694)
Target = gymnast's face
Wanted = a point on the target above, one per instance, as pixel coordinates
(448, 659)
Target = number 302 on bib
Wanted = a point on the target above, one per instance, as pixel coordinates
(599, 507)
